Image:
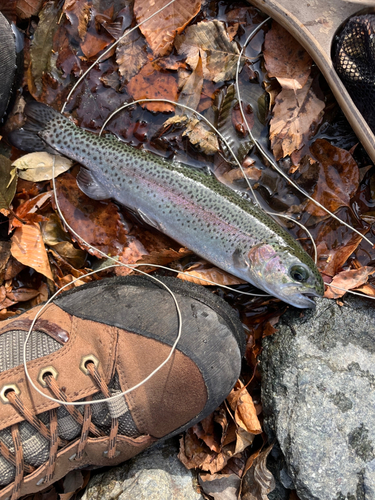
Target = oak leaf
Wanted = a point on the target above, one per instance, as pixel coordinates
(285, 58)
(161, 30)
(295, 116)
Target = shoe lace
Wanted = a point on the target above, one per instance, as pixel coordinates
(16, 458)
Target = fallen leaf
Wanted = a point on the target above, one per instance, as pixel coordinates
(37, 167)
(195, 453)
(4, 258)
(8, 184)
(201, 136)
(78, 13)
(347, 280)
(28, 8)
(160, 31)
(94, 44)
(55, 236)
(367, 289)
(41, 46)
(258, 480)
(338, 177)
(295, 116)
(245, 416)
(335, 258)
(28, 248)
(27, 211)
(190, 93)
(220, 486)
(203, 270)
(150, 83)
(210, 41)
(99, 223)
(236, 137)
(205, 430)
(285, 58)
(131, 55)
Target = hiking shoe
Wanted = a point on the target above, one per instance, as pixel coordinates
(99, 340)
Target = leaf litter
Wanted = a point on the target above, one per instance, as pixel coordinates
(188, 54)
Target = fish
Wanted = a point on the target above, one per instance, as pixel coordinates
(191, 207)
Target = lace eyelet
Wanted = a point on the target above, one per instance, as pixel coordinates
(7, 388)
(90, 358)
(48, 370)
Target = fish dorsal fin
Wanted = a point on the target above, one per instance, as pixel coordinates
(90, 186)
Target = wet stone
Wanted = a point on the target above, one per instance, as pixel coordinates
(318, 389)
(155, 474)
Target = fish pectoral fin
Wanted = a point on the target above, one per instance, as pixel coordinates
(90, 186)
(145, 218)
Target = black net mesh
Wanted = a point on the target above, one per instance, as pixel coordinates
(355, 63)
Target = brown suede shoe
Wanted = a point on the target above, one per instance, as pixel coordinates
(96, 341)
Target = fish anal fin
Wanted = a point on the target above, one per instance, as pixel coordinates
(90, 186)
(145, 218)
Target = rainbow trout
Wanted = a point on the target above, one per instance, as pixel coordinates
(189, 206)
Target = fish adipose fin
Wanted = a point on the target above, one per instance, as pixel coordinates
(37, 117)
(90, 186)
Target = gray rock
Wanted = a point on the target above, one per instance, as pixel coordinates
(318, 390)
(155, 474)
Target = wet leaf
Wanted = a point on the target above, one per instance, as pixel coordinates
(37, 166)
(239, 142)
(28, 248)
(150, 83)
(160, 31)
(203, 270)
(4, 258)
(285, 58)
(190, 93)
(27, 212)
(335, 258)
(210, 41)
(258, 480)
(99, 223)
(78, 13)
(348, 280)
(8, 184)
(338, 177)
(220, 486)
(131, 55)
(41, 47)
(295, 116)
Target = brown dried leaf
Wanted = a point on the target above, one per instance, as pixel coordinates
(131, 55)
(37, 167)
(210, 41)
(206, 271)
(8, 184)
(190, 94)
(285, 58)
(338, 177)
(335, 258)
(150, 83)
(28, 248)
(195, 453)
(202, 136)
(160, 31)
(258, 480)
(28, 8)
(367, 289)
(347, 280)
(99, 223)
(220, 486)
(295, 116)
(245, 416)
(78, 13)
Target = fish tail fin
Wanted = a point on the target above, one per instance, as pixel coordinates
(28, 138)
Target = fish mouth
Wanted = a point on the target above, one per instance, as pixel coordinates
(302, 299)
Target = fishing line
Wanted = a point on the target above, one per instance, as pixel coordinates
(350, 291)
(265, 153)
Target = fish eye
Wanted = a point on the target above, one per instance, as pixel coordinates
(299, 273)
